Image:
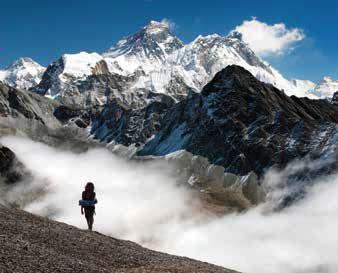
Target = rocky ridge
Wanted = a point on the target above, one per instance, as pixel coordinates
(236, 122)
(28, 114)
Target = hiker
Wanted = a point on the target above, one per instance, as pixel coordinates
(88, 204)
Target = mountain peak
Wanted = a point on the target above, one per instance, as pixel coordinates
(234, 69)
(155, 25)
(326, 87)
(22, 73)
(153, 40)
(23, 62)
(327, 79)
(207, 39)
(228, 77)
(235, 35)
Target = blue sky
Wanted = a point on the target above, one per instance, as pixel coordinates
(45, 29)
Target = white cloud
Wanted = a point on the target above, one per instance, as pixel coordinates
(170, 23)
(267, 39)
(141, 201)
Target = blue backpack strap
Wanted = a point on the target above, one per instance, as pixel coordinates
(87, 203)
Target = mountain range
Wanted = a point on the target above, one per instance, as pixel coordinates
(234, 132)
(151, 61)
(211, 105)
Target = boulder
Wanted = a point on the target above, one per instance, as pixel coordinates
(11, 169)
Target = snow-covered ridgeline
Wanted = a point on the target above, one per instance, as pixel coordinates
(23, 73)
(156, 60)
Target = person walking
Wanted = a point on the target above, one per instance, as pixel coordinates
(88, 204)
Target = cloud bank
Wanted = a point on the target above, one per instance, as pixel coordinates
(266, 39)
(144, 202)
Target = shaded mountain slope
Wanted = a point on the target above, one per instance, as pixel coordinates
(28, 114)
(237, 122)
(246, 125)
(31, 243)
(63, 124)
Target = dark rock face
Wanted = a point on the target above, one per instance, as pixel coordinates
(245, 125)
(66, 114)
(25, 104)
(237, 122)
(41, 119)
(99, 89)
(335, 98)
(11, 169)
(48, 77)
(125, 125)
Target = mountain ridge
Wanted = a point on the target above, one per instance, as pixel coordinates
(23, 73)
(232, 101)
(237, 123)
(159, 62)
(232, 108)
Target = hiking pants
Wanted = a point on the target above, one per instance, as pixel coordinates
(89, 214)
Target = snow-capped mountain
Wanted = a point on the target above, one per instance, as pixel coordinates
(162, 56)
(155, 61)
(61, 76)
(304, 87)
(23, 73)
(206, 55)
(324, 89)
(154, 43)
(150, 55)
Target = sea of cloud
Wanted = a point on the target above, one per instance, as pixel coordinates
(145, 202)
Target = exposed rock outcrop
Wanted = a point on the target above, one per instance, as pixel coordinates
(335, 98)
(126, 125)
(11, 169)
(28, 114)
(245, 125)
(236, 122)
(230, 190)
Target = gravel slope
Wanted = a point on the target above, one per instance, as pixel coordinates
(31, 243)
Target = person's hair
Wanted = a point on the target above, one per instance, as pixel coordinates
(89, 186)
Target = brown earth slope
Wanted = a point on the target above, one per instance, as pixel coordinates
(30, 243)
